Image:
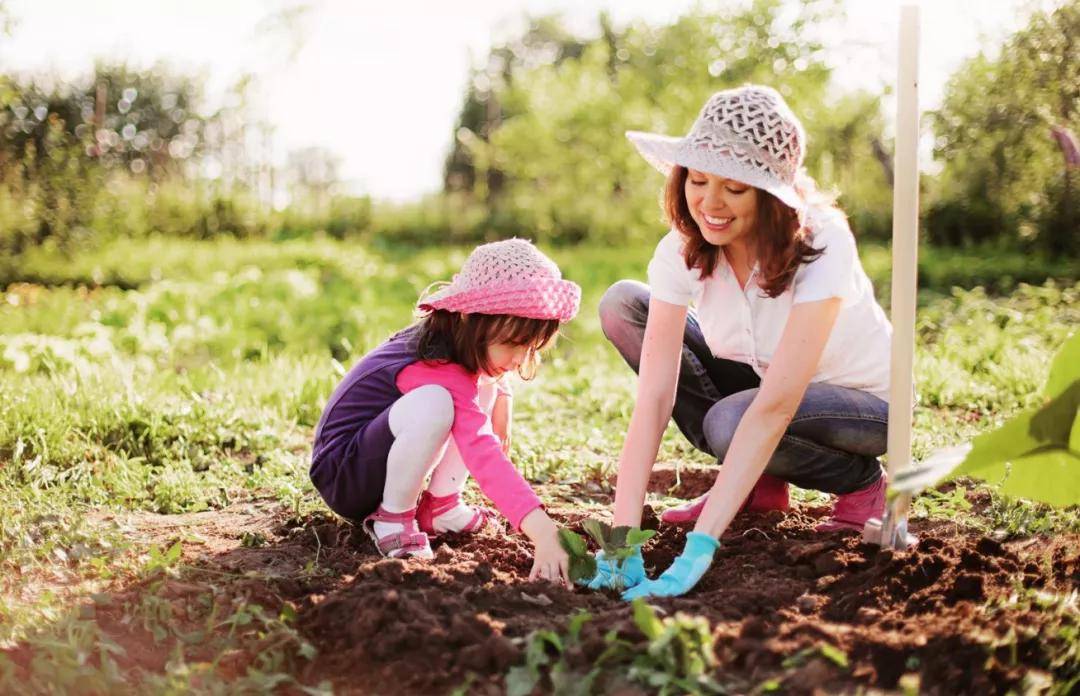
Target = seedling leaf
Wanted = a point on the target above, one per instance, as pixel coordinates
(572, 542)
(617, 538)
(1032, 455)
(577, 622)
(637, 537)
(582, 568)
(834, 654)
(646, 620)
(521, 680)
(599, 531)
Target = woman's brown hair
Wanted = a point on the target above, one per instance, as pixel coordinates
(446, 336)
(781, 239)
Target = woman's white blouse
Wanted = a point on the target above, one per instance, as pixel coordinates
(746, 325)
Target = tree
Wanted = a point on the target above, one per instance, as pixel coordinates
(61, 144)
(1005, 174)
(545, 42)
(312, 173)
(564, 168)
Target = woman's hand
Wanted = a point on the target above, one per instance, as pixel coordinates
(550, 561)
(684, 573)
(614, 575)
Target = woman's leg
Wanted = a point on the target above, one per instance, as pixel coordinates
(832, 443)
(703, 378)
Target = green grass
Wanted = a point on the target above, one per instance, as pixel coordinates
(169, 376)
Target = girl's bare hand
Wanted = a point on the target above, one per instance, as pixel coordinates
(550, 562)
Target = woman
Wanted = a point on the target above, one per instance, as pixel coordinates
(758, 332)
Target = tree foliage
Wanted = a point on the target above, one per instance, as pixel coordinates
(554, 139)
(1004, 174)
(146, 120)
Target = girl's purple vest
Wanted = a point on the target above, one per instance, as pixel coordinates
(368, 389)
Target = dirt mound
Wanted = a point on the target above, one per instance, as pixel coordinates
(802, 611)
(680, 481)
(777, 589)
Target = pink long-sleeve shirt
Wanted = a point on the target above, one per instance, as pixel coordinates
(480, 448)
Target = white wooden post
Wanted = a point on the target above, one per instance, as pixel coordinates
(905, 242)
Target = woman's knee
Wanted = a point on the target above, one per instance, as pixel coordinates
(723, 418)
(427, 409)
(621, 302)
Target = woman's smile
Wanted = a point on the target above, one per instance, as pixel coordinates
(717, 223)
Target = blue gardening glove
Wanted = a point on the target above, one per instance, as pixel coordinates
(613, 575)
(684, 573)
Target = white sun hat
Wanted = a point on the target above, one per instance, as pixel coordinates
(748, 134)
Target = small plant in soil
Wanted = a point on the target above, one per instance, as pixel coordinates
(674, 655)
(617, 543)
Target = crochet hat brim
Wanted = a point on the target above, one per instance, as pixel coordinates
(534, 299)
(665, 151)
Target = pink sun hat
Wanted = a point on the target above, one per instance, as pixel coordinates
(508, 277)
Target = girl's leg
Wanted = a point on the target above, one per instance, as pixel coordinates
(832, 444)
(703, 378)
(420, 422)
(448, 480)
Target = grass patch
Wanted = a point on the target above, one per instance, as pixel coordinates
(170, 377)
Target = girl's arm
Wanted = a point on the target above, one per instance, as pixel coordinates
(658, 375)
(501, 418)
(474, 435)
(759, 432)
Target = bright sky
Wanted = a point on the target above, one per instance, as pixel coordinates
(379, 83)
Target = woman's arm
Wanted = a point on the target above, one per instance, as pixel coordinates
(658, 375)
(759, 432)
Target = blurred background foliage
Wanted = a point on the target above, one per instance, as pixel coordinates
(538, 149)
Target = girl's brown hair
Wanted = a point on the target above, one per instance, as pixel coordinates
(781, 239)
(446, 336)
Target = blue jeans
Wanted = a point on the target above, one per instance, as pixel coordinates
(832, 443)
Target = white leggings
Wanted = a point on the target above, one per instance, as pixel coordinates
(421, 422)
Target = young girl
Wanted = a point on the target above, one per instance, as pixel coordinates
(782, 366)
(432, 400)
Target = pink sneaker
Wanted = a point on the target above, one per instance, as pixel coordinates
(769, 493)
(852, 510)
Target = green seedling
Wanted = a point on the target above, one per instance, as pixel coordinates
(582, 564)
(617, 543)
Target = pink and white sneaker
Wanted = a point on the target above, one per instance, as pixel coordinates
(852, 510)
(408, 542)
(769, 493)
(448, 513)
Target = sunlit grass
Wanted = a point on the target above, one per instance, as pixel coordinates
(196, 383)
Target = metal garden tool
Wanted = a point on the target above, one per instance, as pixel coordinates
(891, 529)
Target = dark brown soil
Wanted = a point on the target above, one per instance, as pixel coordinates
(951, 617)
(777, 588)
